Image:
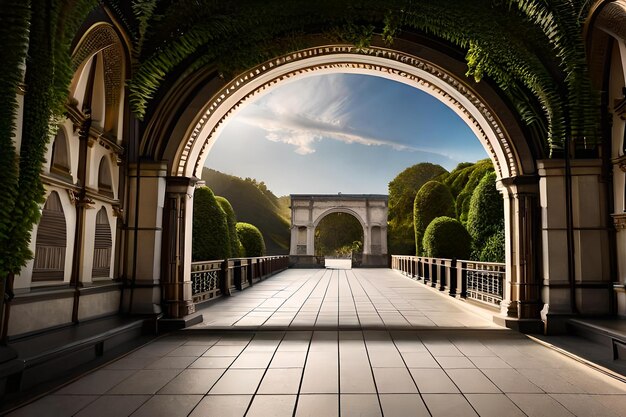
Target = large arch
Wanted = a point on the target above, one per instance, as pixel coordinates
(184, 126)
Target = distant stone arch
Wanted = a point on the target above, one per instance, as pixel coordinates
(308, 210)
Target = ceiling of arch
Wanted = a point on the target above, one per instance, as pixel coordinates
(532, 49)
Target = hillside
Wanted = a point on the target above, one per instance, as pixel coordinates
(253, 203)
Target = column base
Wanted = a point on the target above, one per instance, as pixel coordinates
(145, 298)
(532, 326)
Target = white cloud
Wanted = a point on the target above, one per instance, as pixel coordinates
(311, 110)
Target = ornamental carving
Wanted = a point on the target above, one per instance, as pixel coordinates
(103, 39)
(619, 220)
(392, 56)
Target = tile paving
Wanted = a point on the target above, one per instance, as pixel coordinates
(339, 343)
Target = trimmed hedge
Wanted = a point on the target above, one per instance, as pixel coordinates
(402, 191)
(486, 213)
(493, 251)
(210, 228)
(446, 237)
(476, 173)
(433, 200)
(251, 239)
(236, 249)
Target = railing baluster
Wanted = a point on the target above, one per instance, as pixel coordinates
(481, 281)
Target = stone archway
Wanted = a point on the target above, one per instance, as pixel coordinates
(193, 133)
(183, 144)
(308, 210)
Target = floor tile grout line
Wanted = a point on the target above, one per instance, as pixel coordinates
(338, 353)
(206, 394)
(380, 405)
(306, 358)
(246, 315)
(419, 392)
(264, 373)
(309, 278)
(307, 297)
(370, 300)
(452, 380)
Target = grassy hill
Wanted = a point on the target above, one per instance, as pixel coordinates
(253, 203)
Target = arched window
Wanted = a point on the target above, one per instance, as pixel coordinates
(60, 155)
(102, 246)
(51, 242)
(105, 183)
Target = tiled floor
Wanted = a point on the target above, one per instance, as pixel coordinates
(307, 299)
(471, 368)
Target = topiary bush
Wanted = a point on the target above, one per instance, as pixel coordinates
(433, 200)
(231, 220)
(210, 238)
(493, 251)
(486, 213)
(446, 237)
(402, 191)
(476, 173)
(251, 239)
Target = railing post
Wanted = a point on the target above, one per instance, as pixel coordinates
(463, 293)
(453, 278)
(441, 267)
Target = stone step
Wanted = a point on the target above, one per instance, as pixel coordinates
(46, 359)
(609, 333)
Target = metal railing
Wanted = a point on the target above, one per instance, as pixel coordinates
(211, 279)
(480, 281)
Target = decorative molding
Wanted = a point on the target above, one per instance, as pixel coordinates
(392, 56)
(73, 197)
(118, 211)
(619, 220)
(620, 163)
(103, 38)
(620, 106)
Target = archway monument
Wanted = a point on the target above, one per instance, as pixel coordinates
(308, 210)
(531, 185)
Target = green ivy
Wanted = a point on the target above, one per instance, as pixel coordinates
(528, 47)
(51, 27)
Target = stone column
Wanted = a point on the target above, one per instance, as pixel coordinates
(521, 302)
(147, 184)
(177, 242)
(293, 248)
(310, 240)
(383, 240)
(367, 240)
(590, 294)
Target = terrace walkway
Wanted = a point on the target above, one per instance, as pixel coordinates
(350, 343)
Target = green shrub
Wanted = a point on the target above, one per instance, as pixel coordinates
(231, 220)
(251, 239)
(210, 239)
(486, 212)
(475, 175)
(458, 177)
(493, 251)
(402, 191)
(433, 200)
(446, 237)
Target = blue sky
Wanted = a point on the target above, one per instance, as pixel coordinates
(344, 133)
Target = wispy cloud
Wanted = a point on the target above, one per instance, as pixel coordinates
(311, 110)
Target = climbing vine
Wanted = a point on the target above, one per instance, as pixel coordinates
(528, 47)
(532, 49)
(47, 30)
